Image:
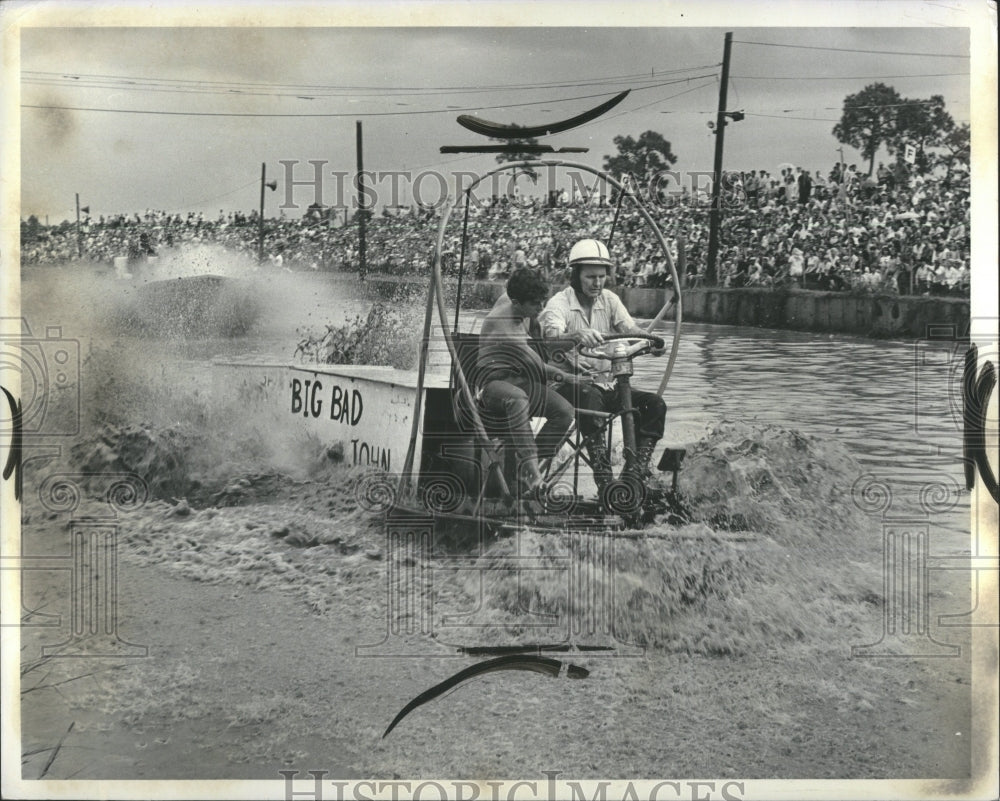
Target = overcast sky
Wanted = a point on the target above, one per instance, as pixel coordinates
(407, 85)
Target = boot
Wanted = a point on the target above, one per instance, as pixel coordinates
(530, 480)
(637, 464)
(600, 460)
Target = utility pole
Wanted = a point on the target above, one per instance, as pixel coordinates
(362, 212)
(715, 212)
(842, 192)
(260, 220)
(273, 185)
(79, 237)
(842, 187)
(682, 260)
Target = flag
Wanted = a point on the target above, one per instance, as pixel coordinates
(910, 154)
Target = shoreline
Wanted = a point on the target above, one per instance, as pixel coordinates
(875, 315)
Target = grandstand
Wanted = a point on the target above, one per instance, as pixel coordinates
(890, 233)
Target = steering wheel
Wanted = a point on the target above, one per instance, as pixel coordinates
(636, 345)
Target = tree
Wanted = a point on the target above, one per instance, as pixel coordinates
(642, 158)
(878, 115)
(924, 122)
(869, 120)
(956, 144)
(29, 229)
(503, 158)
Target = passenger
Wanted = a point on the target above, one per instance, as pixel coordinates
(514, 377)
(585, 312)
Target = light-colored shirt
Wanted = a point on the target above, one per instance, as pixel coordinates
(563, 314)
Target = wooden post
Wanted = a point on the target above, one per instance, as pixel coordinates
(79, 236)
(260, 221)
(362, 211)
(681, 260)
(715, 213)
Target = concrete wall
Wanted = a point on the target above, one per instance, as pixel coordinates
(806, 310)
(797, 309)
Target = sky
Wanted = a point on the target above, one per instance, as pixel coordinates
(407, 85)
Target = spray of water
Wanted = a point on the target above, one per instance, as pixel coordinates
(146, 345)
(776, 554)
(147, 407)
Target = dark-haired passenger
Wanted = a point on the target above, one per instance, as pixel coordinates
(514, 378)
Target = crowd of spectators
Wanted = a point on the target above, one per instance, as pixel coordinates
(844, 230)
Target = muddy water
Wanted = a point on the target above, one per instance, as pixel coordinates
(241, 700)
(894, 405)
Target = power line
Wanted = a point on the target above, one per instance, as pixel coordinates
(158, 88)
(442, 163)
(851, 50)
(292, 88)
(232, 114)
(344, 114)
(855, 108)
(846, 77)
(814, 119)
(348, 87)
(660, 100)
(882, 105)
(216, 197)
(671, 97)
(817, 108)
(789, 117)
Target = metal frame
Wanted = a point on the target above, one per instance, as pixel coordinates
(435, 298)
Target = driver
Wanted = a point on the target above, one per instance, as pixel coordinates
(584, 313)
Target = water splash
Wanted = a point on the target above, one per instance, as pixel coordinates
(800, 572)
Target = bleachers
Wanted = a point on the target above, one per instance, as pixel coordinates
(907, 238)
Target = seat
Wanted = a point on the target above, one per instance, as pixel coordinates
(497, 459)
(556, 351)
(494, 462)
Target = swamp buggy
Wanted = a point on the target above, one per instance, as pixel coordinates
(460, 468)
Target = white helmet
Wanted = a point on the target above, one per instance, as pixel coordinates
(589, 251)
